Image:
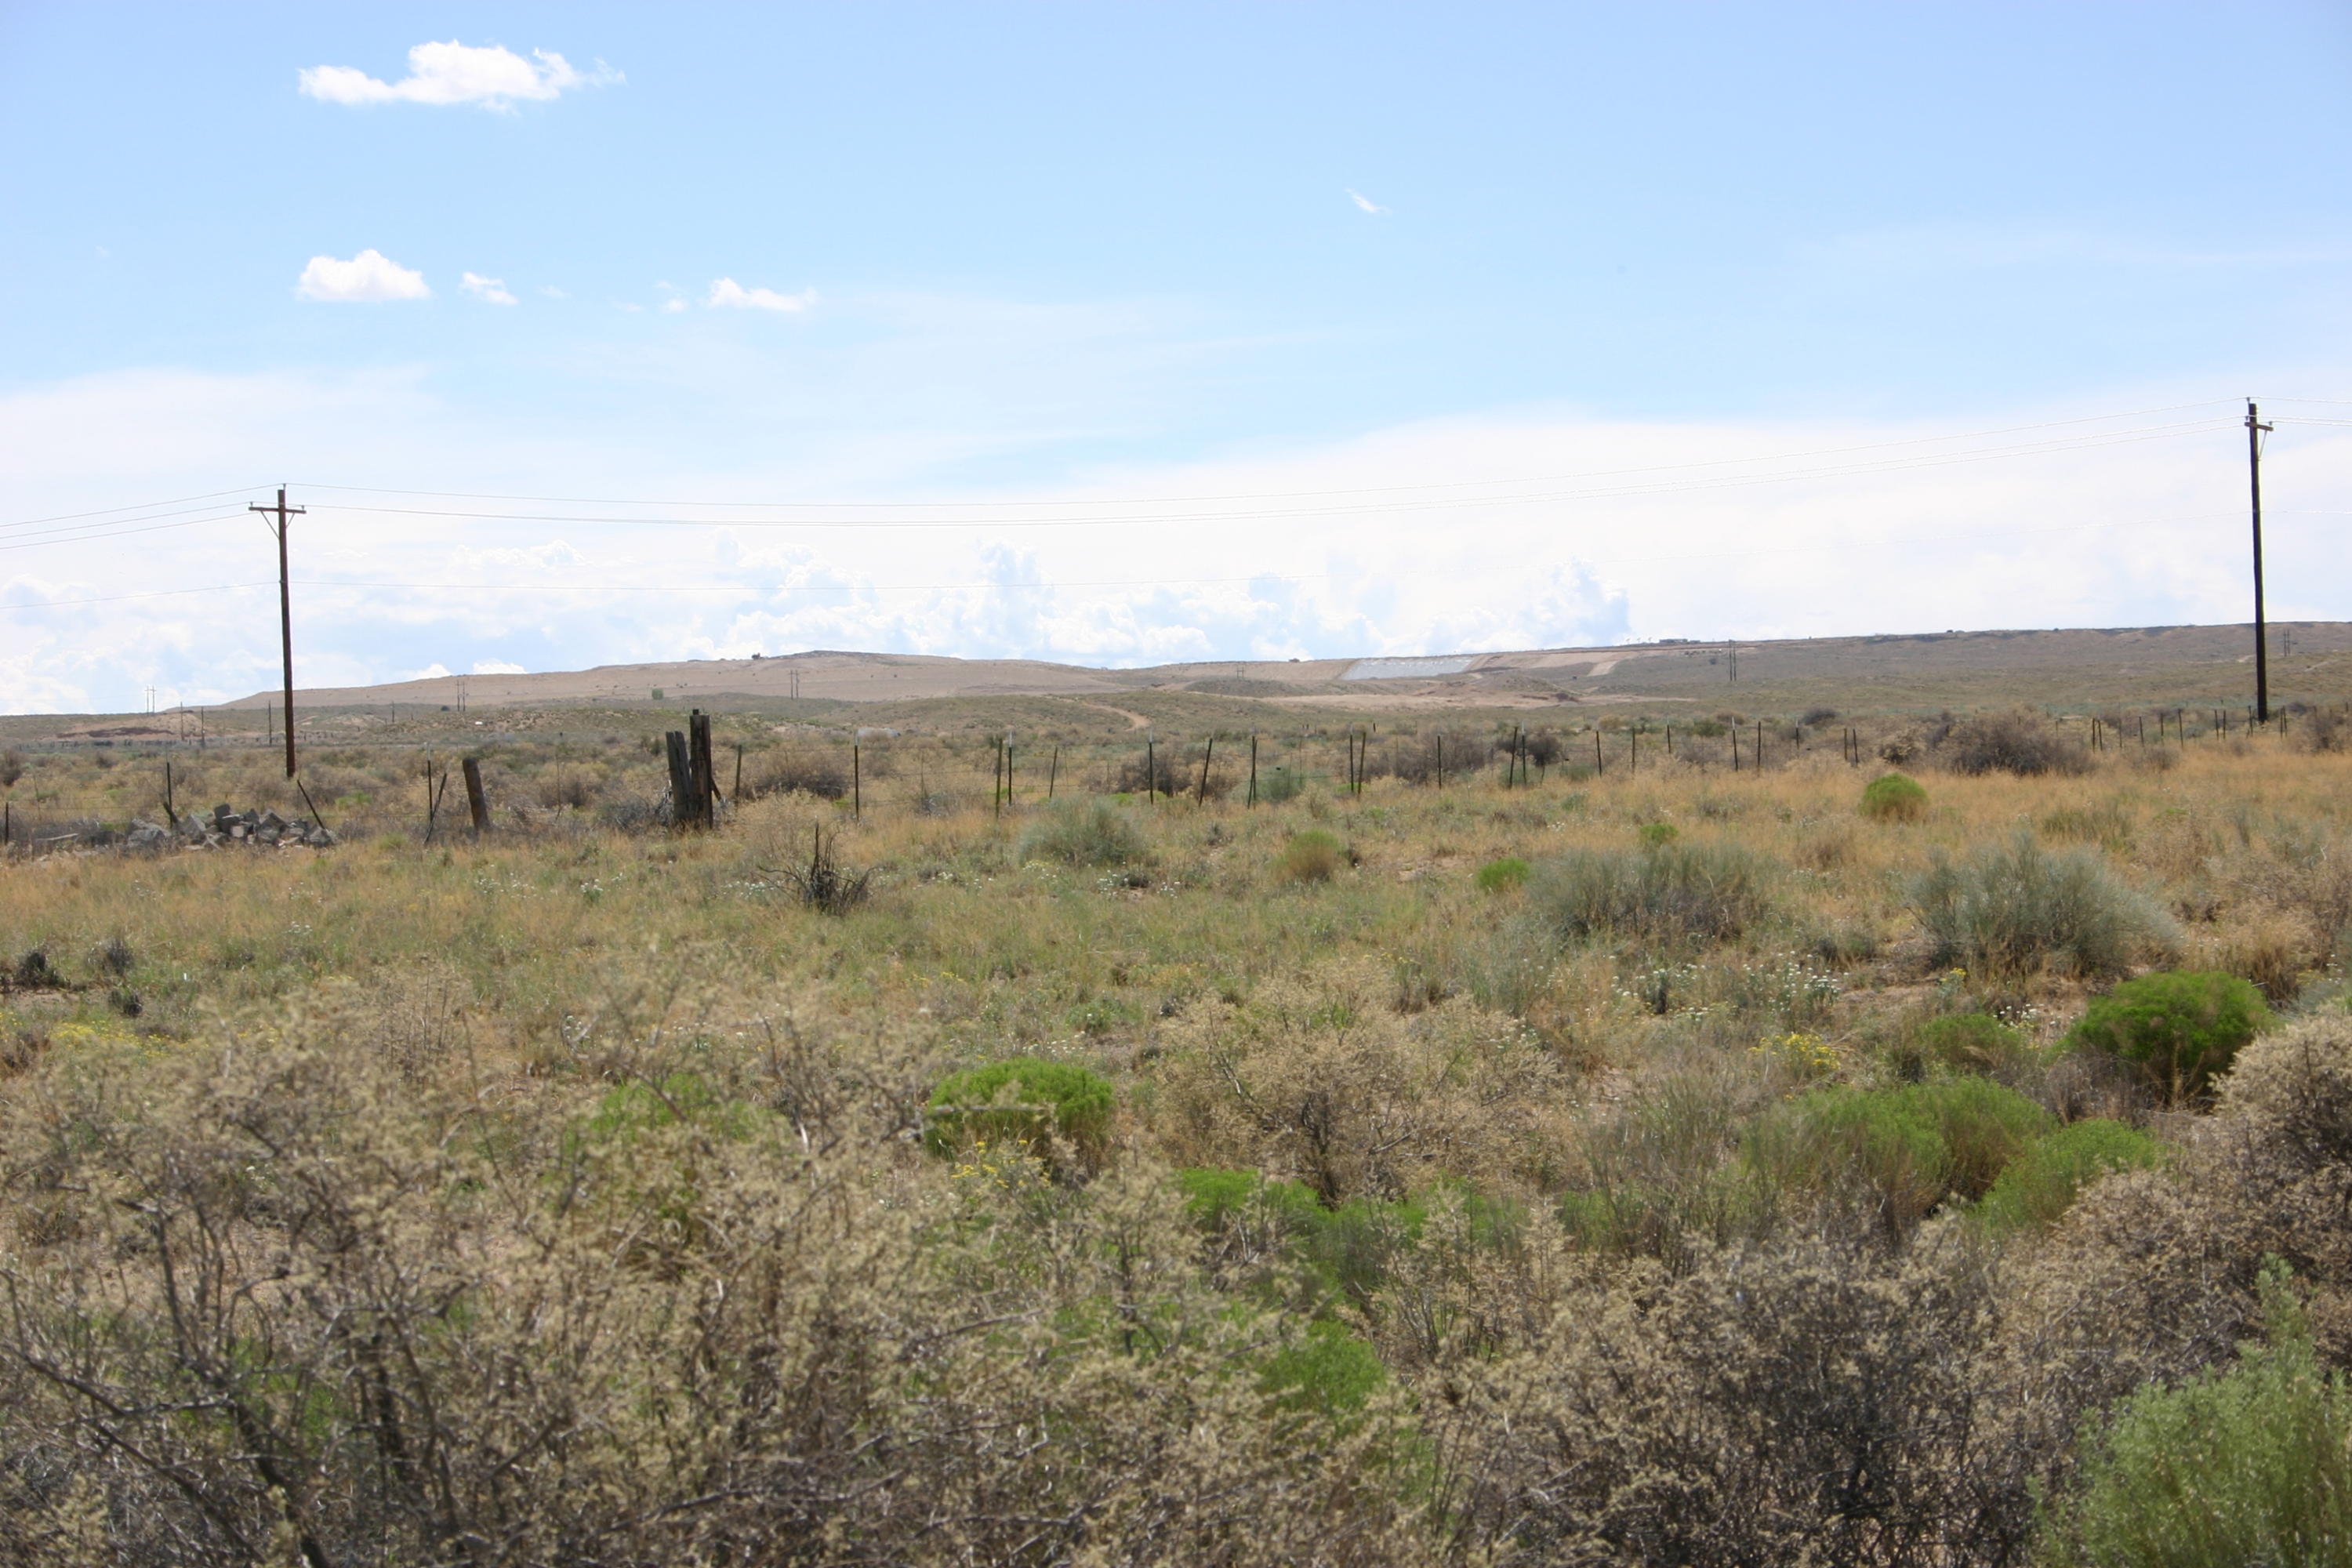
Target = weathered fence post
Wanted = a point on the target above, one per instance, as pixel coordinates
(703, 765)
(857, 786)
(1253, 787)
(1201, 796)
(477, 804)
(681, 779)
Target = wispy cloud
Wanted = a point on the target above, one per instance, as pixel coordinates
(727, 294)
(494, 77)
(1364, 202)
(368, 276)
(552, 292)
(490, 290)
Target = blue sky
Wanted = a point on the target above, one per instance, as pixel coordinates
(1098, 253)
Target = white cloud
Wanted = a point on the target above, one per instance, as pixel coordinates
(1497, 554)
(430, 672)
(494, 77)
(492, 291)
(367, 276)
(727, 294)
(497, 666)
(552, 292)
(1363, 202)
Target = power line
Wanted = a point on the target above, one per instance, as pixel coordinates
(1613, 492)
(1929, 540)
(1281, 495)
(91, 536)
(137, 506)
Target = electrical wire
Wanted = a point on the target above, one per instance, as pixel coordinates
(772, 590)
(1390, 509)
(1282, 495)
(139, 506)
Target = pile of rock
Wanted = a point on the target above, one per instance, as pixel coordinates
(225, 826)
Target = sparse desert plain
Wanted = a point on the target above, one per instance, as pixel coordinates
(1890, 1107)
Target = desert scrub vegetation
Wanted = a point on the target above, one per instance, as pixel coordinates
(1893, 797)
(583, 1194)
(1089, 833)
(2178, 1029)
(1665, 891)
(2016, 906)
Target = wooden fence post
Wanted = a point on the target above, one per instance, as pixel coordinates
(1202, 797)
(1253, 787)
(1053, 771)
(681, 779)
(857, 786)
(1150, 771)
(476, 803)
(704, 766)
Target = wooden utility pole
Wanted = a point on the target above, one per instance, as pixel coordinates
(284, 611)
(2255, 430)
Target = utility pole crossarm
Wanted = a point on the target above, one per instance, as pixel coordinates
(2255, 429)
(281, 511)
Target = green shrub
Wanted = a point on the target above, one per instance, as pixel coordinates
(1984, 1126)
(1095, 833)
(1872, 1145)
(1215, 1196)
(1026, 1100)
(2248, 1465)
(2181, 1029)
(1893, 797)
(1280, 783)
(2041, 1184)
(1327, 1371)
(1664, 892)
(1310, 856)
(1903, 1150)
(1498, 875)
(2010, 911)
(1652, 834)
(1969, 1042)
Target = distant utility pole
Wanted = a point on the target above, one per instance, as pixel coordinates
(1734, 661)
(2254, 431)
(284, 611)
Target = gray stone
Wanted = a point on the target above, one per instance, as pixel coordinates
(271, 820)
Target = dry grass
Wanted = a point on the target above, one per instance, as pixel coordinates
(602, 1144)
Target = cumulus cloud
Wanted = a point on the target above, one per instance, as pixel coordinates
(727, 294)
(492, 291)
(494, 77)
(430, 672)
(370, 275)
(1363, 202)
(497, 666)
